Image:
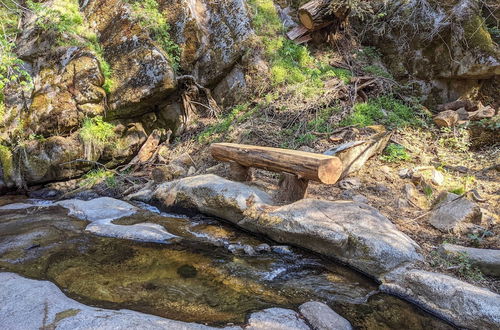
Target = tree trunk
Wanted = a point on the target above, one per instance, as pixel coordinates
(306, 165)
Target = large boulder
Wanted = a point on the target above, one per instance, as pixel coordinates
(354, 233)
(442, 48)
(459, 302)
(322, 317)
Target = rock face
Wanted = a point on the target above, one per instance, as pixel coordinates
(459, 302)
(138, 93)
(322, 317)
(354, 233)
(488, 261)
(453, 213)
(29, 304)
(414, 36)
(276, 319)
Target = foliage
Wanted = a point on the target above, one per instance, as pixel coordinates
(64, 17)
(96, 134)
(265, 18)
(11, 67)
(147, 13)
(395, 153)
(95, 177)
(459, 263)
(477, 238)
(6, 161)
(239, 114)
(384, 110)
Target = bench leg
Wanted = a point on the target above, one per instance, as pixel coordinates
(291, 188)
(239, 172)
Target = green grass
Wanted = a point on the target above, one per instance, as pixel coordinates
(95, 177)
(147, 13)
(238, 114)
(395, 153)
(265, 17)
(384, 110)
(95, 135)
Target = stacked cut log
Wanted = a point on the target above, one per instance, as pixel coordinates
(314, 16)
(461, 111)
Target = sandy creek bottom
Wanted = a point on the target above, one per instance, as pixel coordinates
(193, 278)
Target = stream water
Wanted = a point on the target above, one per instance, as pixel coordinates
(212, 273)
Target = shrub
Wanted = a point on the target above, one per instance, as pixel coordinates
(95, 135)
(265, 17)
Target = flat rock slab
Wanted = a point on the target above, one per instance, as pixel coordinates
(459, 302)
(276, 319)
(353, 232)
(29, 304)
(488, 261)
(453, 212)
(322, 317)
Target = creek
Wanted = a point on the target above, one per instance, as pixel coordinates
(211, 272)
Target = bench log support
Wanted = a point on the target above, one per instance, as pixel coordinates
(291, 188)
(239, 172)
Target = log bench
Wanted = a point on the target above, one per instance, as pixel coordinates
(297, 167)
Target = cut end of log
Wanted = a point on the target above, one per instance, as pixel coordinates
(306, 19)
(330, 170)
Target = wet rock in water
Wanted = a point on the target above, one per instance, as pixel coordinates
(98, 209)
(29, 304)
(281, 249)
(249, 250)
(16, 206)
(322, 317)
(191, 171)
(187, 271)
(487, 260)
(102, 211)
(276, 319)
(459, 302)
(453, 213)
(263, 248)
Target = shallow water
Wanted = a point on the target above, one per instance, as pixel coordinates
(194, 278)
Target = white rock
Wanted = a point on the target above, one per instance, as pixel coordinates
(32, 305)
(437, 178)
(276, 319)
(322, 317)
(453, 213)
(487, 260)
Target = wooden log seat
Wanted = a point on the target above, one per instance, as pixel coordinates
(297, 167)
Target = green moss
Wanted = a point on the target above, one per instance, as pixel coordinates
(6, 160)
(477, 34)
(97, 176)
(377, 71)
